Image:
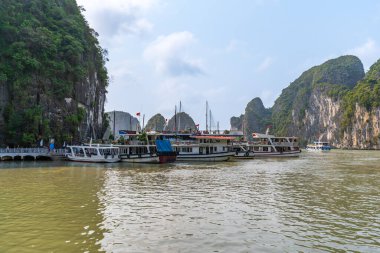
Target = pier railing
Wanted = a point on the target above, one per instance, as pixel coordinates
(25, 150)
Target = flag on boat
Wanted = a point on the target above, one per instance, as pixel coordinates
(138, 114)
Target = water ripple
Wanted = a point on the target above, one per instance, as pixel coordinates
(327, 205)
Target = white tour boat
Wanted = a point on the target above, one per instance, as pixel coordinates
(205, 148)
(318, 146)
(93, 153)
(266, 145)
(145, 151)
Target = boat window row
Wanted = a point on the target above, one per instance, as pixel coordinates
(109, 151)
(208, 141)
(137, 150)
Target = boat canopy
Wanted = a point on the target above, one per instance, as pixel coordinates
(164, 146)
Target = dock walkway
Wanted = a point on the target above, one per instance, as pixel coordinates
(29, 153)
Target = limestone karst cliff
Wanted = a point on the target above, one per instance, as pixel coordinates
(335, 101)
(52, 73)
(118, 120)
(256, 118)
(156, 123)
(184, 123)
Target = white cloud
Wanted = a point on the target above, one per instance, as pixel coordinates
(115, 17)
(265, 64)
(368, 52)
(170, 55)
(233, 45)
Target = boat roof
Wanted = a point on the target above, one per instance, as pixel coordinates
(213, 137)
(260, 135)
(92, 146)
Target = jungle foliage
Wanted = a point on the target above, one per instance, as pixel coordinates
(46, 48)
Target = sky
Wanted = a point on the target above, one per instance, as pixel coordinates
(226, 52)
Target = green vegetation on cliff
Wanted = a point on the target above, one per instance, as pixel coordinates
(256, 118)
(366, 94)
(334, 77)
(46, 50)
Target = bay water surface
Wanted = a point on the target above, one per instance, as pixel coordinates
(319, 202)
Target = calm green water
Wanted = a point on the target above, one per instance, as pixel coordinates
(315, 203)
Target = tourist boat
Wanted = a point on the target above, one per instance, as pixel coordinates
(242, 151)
(93, 153)
(205, 148)
(266, 145)
(150, 150)
(318, 146)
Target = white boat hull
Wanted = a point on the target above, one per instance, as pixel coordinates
(94, 159)
(244, 155)
(317, 150)
(215, 157)
(140, 158)
(277, 154)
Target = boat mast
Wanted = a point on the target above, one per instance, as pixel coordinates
(179, 116)
(114, 124)
(143, 123)
(175, 119)
(210, 120)
(206, 116)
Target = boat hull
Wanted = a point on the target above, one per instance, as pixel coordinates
(167, 157)
(244, 155)
(94, 159)
(215, 157)
(277, 154)
(146, 158)
(318, 149)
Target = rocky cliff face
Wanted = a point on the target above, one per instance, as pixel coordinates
(330, 79)
(120, 121)
(322, 118)
(332, 102)
(365, 130)
(52, 75)
(184, 123)
(156, 123)
(255, 119)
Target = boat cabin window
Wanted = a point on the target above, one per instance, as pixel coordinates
(78, 152)
(187, 150)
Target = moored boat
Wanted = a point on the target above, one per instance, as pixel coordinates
(266, 145)
(204, 148)
(146, 149)
(93, 154)
(318, 146)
